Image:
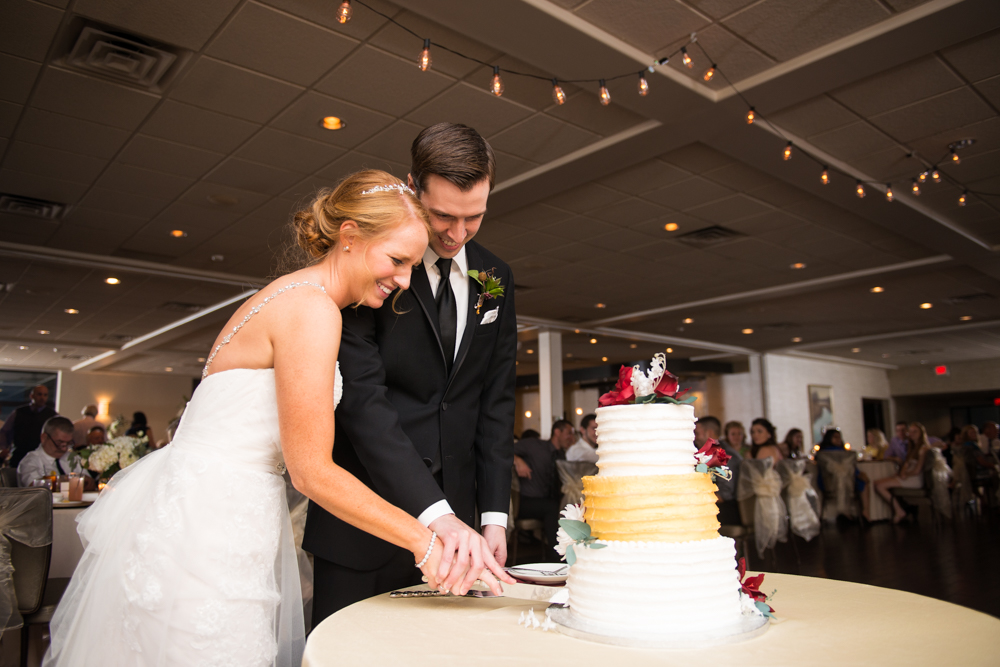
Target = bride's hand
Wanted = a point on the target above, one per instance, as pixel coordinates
(430, 568)
(467, 556)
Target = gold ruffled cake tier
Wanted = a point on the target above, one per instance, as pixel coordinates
(655, 508)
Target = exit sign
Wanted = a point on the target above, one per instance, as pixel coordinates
(940, 370)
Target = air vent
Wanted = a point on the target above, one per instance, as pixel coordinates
(181, 307)
(117, 338)
(966, 298)
(75, 357)
(709, 236)
(34, 208)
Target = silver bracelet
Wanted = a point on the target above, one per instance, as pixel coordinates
(430, 548)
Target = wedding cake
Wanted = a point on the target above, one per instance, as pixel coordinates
(649, 561)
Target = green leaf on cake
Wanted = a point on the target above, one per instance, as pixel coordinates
(701, 467)
(577, 530)
(570, 554)
(595, 545)
(764, 608)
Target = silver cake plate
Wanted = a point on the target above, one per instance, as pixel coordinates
(753, 626)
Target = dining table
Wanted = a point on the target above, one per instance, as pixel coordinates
(67, 549)
(818, 622)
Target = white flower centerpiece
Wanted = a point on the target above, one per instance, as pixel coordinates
(114, 455)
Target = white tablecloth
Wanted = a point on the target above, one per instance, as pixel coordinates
(66, 546)
(823, 622)
(878, 509)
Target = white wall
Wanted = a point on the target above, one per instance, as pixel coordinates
(980, 375)
(732, 397)
(159, 396)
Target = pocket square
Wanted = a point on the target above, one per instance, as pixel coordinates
(490, 316)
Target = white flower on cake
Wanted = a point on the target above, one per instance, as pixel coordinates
(644, 383)
(748, 606)
(563, 539)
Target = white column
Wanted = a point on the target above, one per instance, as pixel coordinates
(758, 386)
(550, 382)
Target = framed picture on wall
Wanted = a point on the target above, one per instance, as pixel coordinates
(820, 410)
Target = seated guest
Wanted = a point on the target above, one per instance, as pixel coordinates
(898, 445)
(535, 464)
(911, 474)
(530, 433)
(140, 428)
(875, 443)
(585, 449)
(988, 440)
(729, 509)
(832, 439)
(96, 436)
(736, 438)
(52, 455)
(762, 435)
(792, 446)
(982, 466)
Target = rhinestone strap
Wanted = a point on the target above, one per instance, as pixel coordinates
(253, 311)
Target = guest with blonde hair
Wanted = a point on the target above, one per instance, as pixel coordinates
(735, 438)
(911, 475)
(876, 443)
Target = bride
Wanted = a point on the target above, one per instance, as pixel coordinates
(188, 553)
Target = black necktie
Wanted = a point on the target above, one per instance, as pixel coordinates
(59, 467)
(447, 311)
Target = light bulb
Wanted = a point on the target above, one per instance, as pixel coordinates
(788, 151)
(685, 58)
(425, 56)
(860, 190)
(643, 85)
(497, 86)
(955, 158)
(963, 198)
(922, 177)
(825, 176)
(558, 95)
(344, 12)
(605, 95)
(916, 188)
(709, 73)
(936, 175)
(888, 195)
(751, 116)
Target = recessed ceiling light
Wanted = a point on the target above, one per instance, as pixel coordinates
(218, 258)
(798, 265)
(600, 305)
(855, 350)
(927, 306)
(671, 226)
(22, 347)
(877, 290)
(688, 320)
(670, 350)
(579, 411)
(332, 123)
(965, 318)
(530, 351)
(576, 331)
(593, 341)
(747, 331)
(112, 281)
(178, 233)
(634, 345)
(201, 360)
(72, 311)
(44, 332)
(797, 339)
(169, 369)
(604, 358)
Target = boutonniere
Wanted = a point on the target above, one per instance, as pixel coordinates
(489, 286)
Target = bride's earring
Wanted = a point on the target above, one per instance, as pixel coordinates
(347, 248)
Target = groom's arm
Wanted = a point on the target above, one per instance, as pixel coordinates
(371, 422)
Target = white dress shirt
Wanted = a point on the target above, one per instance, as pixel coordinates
(37, 463)
(581, 451)
(459, 278)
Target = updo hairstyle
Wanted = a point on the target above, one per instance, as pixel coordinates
(377, 214)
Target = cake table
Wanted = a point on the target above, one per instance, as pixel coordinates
(822, 622)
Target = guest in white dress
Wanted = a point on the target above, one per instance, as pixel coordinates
(52, 455)
(189, 556)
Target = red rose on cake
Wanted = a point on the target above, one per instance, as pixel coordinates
(623, 392)
(712, 454)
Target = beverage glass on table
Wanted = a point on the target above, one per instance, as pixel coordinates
(75, 487)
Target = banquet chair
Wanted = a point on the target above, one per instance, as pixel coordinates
(761, 507)
(532, 526)
(8, 478)
(837, 470)
(571, 474)
(921, 499)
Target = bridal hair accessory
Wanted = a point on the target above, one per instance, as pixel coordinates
(430, 548)
(389, 188)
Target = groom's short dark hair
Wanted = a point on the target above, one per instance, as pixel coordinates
(456, 153)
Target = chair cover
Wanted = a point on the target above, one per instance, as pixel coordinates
(803, 501)
(759, 479)
(837, 469)
(940, 476)
(25, 516)
(571, 474)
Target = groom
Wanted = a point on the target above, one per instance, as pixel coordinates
(427, 414)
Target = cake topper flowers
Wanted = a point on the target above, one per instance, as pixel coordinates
(657, 385)
(573, 530)
(489, 286)
(712, 458)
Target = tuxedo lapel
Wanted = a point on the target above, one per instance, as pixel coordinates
(421, 289)
(472, 319)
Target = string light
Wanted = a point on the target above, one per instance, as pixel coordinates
(860, 190)
(936, 175)
(685, 58)
(955, 158)
(709, 73)
(888, 195)
(605, 95)
(788, 151)
(916, 188)
(922, 177)
(557, 93)
(344, 12)
(963, 198)
(497, 86)
(425, 56)
(643, 85)
(825, 176)
(751, 116)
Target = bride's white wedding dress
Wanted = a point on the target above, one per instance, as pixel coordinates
(189, 556)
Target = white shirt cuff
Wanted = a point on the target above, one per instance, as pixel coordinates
(435, 511)
(494, 519)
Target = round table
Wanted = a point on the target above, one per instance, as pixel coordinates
(67, 549)
(878, 509)
(821, 622)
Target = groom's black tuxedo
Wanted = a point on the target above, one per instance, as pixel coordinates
(410, 430)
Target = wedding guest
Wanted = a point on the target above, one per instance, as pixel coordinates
(530, 433)
(21, 432)
(911, 474)
(792, 447)
(82, 426)
(729, 509)
(140, 428)
(876, 443)
(762, 435)
(736, 438)
(585, 449)
(832, 439)
(53, 454)
(96, 436)
(535, 464)
(898, 445)
(988, 440)
(982, 466)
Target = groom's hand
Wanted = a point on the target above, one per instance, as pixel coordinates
(465, 556)
(496, 539)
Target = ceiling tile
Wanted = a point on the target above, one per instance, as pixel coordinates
(648, 26)
(779, 194)
(213, 84)
(584, 109)
(304, 116)
(383, 82)
(580, 228)
(586, 198)
(392, 143)
(908, 83)
(20, 229)
(852, 140)
(764, 222)
(739, 176)
(190, 125)
(288, 151)
(280, 45)
(696, 158)
(686, 194)
(253, 176)
(886, 165)
(199, 223)
(956, 108)
(27, 28)
(73, 134)
(990, 89)
(977, 58)
(153, 184)
(533, 217)
(542, 139)
(40, 187)
(718, 9)
(813, 116)
(645, 176)
(17, 76)
(470, 106)
(509, 166)
(534, 93)
(98, 220)
(186, 23)
(52, 162)
(168, 156)
(620, 239)
(9, 113)
(628, 212)
(363, 21)
(92, 99)
(123, 203)
(79, 238)
(3, 147)
(724, 211)
(732, 55)
(235, 201)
